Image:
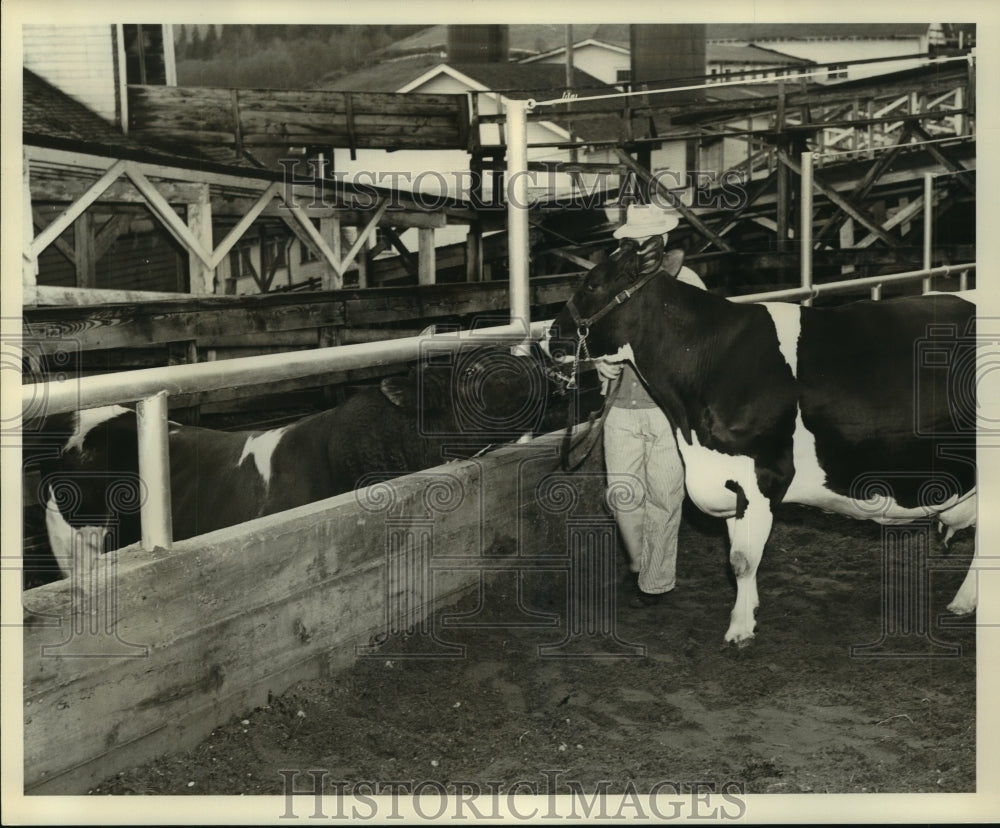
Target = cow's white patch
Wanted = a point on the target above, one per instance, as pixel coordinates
(261, 447)
(871, 502)
(706, 472)
(65, 540)
(706, 475)
(623, 354)
(88, 419)
(788, 325)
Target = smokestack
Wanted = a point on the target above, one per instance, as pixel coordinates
(665, 52)
(478, 43)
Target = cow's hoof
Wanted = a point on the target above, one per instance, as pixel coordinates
(740, 639)
(961, 608)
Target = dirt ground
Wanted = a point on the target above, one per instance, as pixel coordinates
(793, 712)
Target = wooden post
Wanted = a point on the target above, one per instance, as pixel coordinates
(847, 242)
(84, 258)
(427, 274)
(29, 261)
(474, 253)
(329, 229)
(199, 221)
(855, 137)
(362, 259)
(869, 115)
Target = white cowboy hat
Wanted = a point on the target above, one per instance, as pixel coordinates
(645, 220)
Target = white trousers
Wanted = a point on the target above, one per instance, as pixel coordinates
(645, 491)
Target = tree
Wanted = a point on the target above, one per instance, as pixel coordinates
(194, 51)
(180, 42)
(209, 45)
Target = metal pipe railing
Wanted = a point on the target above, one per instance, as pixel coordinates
(108, 389)
(155, 517)
(851, 285)
(517, 210)
(928, 224)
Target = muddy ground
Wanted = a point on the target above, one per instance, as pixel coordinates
(795, 711)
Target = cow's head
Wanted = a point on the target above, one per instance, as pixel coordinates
(479, 393)
(586, 327)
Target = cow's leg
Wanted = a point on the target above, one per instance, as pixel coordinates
(747, 535)
(961, 516)
(967, 597)
(65, 540)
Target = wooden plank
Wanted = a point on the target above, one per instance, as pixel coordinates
(84, 258)
(108, 234)
(226, 615)
(156, 321)
(165, 213)
(844, 204)
(70, 188)
(61, 296)
(871, 177)
(199, 222)
(241, 227)
(66, 249)
(70, 214)
(676, 202)
(427, 263)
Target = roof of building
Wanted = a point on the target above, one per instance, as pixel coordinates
(525, 39)
(731, 53)
(381, 77)
(757, 32)
(541, 81)
(536, 38)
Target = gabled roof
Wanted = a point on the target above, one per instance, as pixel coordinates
(617, 48)
(520, 80)
(382, 77)
(514, 80)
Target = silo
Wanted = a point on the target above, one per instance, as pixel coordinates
(668, 54)
(478, 43)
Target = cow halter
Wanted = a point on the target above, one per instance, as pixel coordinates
(583, 324)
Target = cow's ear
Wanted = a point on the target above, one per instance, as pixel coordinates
(672, 262)
(397, 391)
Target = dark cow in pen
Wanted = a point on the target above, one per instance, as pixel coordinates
(863, 409)
(453, 406)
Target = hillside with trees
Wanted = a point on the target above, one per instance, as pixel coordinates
(280, 56)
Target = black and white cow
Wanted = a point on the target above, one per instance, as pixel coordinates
(450, 407)
(860, 409)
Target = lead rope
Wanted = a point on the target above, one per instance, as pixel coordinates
(595, 427)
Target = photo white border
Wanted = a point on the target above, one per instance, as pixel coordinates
(862, 808)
